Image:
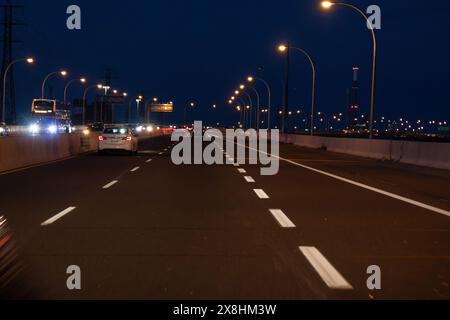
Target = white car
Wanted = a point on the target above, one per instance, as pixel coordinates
(118, 138)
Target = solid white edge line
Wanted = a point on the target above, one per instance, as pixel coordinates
(282, 219)
(361, 185)
(109, 185)
(135, 169)
(261, 194)
(58, 216)
(332, 278)
(249, 179)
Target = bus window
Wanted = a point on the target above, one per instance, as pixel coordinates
(43, 106)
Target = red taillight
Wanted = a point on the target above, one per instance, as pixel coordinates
(127, 139)
(102, 138)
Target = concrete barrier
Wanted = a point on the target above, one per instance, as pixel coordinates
(428, 154)
(18, 152)
(21, 151)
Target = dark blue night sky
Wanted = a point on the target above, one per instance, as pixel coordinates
(201, 50)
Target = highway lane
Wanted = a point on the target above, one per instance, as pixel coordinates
(356, 228)
(144, 228)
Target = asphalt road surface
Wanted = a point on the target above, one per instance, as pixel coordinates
(140, 227)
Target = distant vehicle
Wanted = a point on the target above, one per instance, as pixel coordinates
(49, 118)
(97, 127)
(4, 130)
(118, 138)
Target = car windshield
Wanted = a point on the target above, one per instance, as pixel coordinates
(116, 131)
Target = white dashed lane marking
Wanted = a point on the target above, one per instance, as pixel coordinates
(282, 219)
(109, 185)
(249, 179)
(261, 194)
(58, 216)
(332, 278)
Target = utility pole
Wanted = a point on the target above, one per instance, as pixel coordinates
(284, 116)
(8, 40)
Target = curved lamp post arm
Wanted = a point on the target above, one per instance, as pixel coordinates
(257, 104)
(45, 81)
(66, 88)
(4, 85)
(269, 91)
(251, 103)
(313, 95)
(374, 63)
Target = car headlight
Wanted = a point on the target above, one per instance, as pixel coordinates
(2, 130)
(52, 129)
(150, 129)
(34, 128)
(86, 132)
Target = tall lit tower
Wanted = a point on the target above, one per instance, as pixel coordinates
(353, 111)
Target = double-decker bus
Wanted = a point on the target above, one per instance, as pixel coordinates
(49, 118)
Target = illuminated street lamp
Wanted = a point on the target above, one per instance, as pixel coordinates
(258, 107)
(283, 48)
(99, 87)
(250, 107)
(82, 80)
(252, 79)
(192, 105)
(137, 100)
(328, 5)
(63, 73)
(29, 61)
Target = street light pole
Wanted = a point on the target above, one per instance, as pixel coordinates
(186, 112)
(257, 106)
(250, 79)
(99, 86)
(249, 118)
(63, 73)
(283, 48)
(30, 61)
(328, 5)
(286, 92)
(83, 80)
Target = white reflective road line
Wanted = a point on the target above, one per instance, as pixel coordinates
(160, 153)
(326, 271)
(242, 171)
(109, 185)
(135, 169)
(149, 160)
(364, 186)
(261, 194)
(58, 216)
(249, 179)
(282, 219)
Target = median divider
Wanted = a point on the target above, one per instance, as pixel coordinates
(428, 154)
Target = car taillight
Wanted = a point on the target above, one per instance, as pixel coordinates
(102, 138)
(127, 139)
